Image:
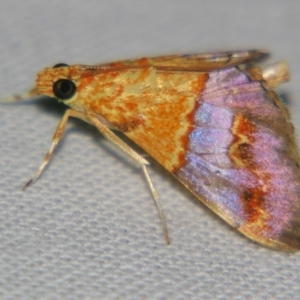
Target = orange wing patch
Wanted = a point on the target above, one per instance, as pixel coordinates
(150, 107)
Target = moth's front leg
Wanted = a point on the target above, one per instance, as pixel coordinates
(58, 134)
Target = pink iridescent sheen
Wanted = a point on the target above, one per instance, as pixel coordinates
(212, 175)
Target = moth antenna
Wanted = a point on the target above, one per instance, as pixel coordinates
(20, 97)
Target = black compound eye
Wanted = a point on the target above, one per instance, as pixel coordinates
(60, 65)
(64, 89)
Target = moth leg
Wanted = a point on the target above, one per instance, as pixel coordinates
(276, 74)
(55, 140)
(139, 159)
(158, 204)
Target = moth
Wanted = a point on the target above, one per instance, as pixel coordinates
(212, 120)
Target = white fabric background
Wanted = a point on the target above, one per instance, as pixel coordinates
(88, 228)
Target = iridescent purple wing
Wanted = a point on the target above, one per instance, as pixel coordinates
(242, 160)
